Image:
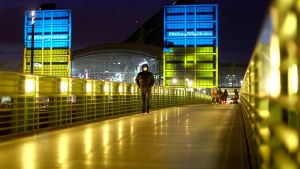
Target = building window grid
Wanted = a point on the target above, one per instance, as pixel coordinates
(199, 41)
(205, 17)
(205, 9)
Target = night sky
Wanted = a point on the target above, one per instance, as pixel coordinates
(108, 21)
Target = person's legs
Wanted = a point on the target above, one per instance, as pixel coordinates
(143, 95)
(148, 101)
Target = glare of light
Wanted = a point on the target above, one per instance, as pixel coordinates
(64, 85)
(204, 91)
(241, 82)
(89, 87)
(174, 81)
(29, 156)
(274, 81)
(190, 83)
(63, 149)
(119, 63)
(187, 79)
(293, 79)
(88, 141)
(105, 134)
(32, 17)
(289, 28)
(29, 85)
(120, 131)
(131, 127)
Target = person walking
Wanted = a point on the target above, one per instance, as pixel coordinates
(145, 82)
(219, 96)
(225, 95)
(213, 96)
(236, 97)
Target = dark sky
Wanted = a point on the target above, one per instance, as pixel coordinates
(106, 21)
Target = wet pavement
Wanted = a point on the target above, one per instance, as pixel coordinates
(188, 137)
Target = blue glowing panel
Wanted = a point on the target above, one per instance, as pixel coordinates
(186, 25)
(52, 29)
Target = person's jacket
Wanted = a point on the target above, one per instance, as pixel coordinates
(145, 80)
(213, 94)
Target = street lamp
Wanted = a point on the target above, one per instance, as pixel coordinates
(32, 40)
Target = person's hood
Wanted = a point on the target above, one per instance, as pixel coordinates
(143, 66)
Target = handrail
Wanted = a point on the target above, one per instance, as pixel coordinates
(30, 103)
(270, 91)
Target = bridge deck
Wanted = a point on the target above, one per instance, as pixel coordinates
(197, 136)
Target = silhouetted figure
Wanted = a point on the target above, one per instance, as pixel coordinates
(145, 82)
(236, 96)
(219, 96)
(225, 95)
(213, 96)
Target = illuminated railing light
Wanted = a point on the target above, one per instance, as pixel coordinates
(293, 79)
(289, 28)
(264, 114)
(29, 85)
(190, 83)
(174, 81)
(274, 81)
(121, 88)
(64, 85)
(106, 87)
(89, 87)
(288, 136)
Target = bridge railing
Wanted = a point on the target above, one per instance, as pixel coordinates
(30, 103)
(270, 91)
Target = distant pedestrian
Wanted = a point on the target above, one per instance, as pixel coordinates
(145, 81)
(213, 96)
(219, 96)
(236, 96)
(225, 95)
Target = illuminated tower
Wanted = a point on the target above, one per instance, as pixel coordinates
(52, 42)
(191, 46)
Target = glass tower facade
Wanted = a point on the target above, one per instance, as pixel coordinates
(191, 46)
(52, 42)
